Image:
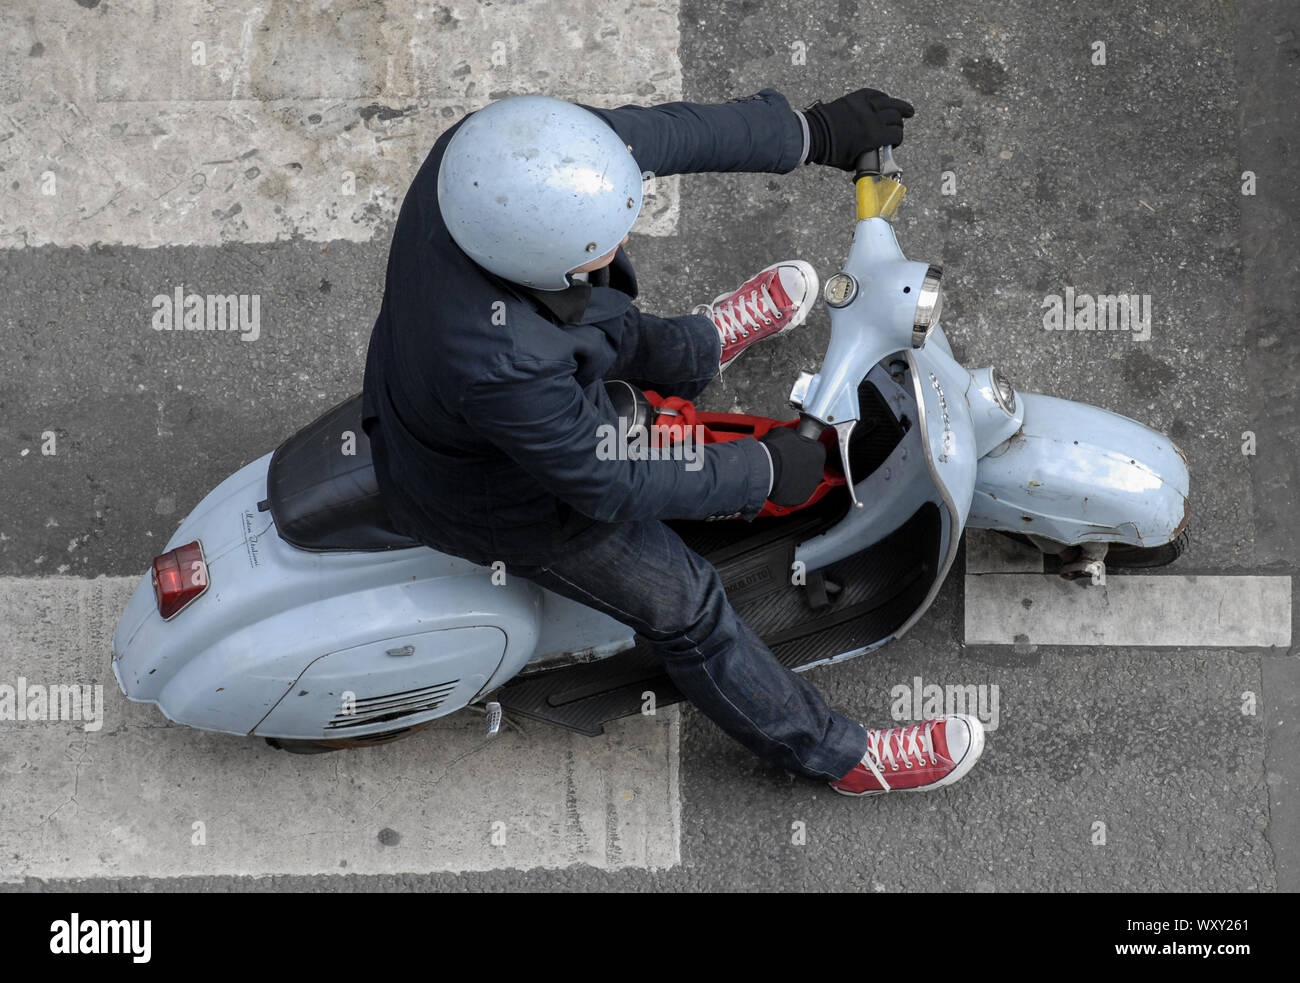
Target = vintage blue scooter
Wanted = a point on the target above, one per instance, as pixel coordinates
(288, 607)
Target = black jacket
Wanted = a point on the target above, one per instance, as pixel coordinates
(484, 428)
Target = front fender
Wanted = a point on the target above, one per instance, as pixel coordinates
(1076, 473)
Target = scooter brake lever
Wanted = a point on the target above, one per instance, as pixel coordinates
(843, 431)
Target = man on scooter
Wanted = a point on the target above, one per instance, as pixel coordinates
(508, 303)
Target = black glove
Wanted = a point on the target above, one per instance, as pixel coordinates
(841, 131)
(797, 463)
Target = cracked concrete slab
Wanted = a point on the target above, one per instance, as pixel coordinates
(134, 795)
(143, 124)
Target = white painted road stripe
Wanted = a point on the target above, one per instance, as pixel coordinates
(1208, 612)
(123, 800)
(148, 124)
(991, 552)
(1227, 612)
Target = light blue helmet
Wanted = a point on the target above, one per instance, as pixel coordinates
(531, 187)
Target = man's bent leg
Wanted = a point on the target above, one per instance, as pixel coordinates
(674, 356)
(644, 575)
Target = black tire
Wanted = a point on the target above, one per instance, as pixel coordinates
(299, 747)
(1122, 555)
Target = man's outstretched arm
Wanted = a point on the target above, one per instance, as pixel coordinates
(759, 133)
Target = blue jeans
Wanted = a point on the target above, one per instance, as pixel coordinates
(643, 575)
(646, 577)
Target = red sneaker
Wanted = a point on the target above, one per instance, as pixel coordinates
(916, 758)
(771, 303)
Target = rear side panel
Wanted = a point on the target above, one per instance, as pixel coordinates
(271, 611)
(380, 686)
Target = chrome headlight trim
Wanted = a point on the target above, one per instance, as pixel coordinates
(1003, 391)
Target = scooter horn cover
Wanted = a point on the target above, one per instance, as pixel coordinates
(531, 187)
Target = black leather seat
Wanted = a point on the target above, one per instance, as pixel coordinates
(322, 499)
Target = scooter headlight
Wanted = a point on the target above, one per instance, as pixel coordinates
(928, 306)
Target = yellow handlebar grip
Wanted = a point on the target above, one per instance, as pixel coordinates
(878, 197)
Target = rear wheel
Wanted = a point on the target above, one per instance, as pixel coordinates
(324, 747)
(299, 747)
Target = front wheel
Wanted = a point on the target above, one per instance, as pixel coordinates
(1124, 555)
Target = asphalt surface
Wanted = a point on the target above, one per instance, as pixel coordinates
(1122, 177)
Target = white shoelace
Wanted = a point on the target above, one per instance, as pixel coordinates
(750, 309)
(912, 741)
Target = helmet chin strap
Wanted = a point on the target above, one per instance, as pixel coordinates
(598, 277)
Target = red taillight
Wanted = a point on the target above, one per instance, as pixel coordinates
(179, 576)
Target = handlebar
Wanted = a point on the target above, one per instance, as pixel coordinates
(874, 200)
(879, 162)
(809, 427)
(871, 163)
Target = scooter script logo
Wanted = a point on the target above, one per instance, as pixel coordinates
(947, 442)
